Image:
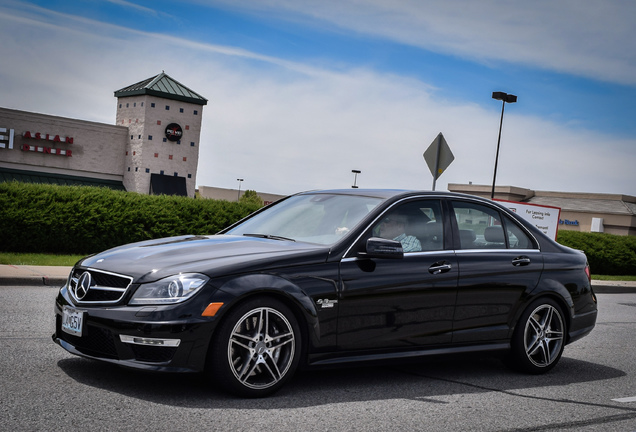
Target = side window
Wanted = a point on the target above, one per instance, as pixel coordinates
(417, 225)
(479, 226)
(482, 227)
(517, 238)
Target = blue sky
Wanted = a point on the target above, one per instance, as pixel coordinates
(302, 91)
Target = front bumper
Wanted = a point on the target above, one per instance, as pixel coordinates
(161, 338)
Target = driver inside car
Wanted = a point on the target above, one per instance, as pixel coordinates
(393, 227)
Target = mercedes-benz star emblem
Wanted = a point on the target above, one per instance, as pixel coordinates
(83, 285)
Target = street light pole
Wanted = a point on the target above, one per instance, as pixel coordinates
(504, 97)
(355, 178)
(238, 198)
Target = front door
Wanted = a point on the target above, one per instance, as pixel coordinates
(400, 303)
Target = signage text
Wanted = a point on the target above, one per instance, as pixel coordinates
(47, 150)
(48, 137)
(6, 141)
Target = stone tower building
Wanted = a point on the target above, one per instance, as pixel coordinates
(163, 118)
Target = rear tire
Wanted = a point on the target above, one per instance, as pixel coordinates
(256, 349)
(539, 337)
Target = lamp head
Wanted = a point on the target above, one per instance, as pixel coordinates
(510, 98)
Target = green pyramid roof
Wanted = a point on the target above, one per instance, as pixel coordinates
(162, 86)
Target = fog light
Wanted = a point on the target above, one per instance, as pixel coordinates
(136, 340)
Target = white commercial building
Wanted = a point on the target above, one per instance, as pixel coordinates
(152, 149)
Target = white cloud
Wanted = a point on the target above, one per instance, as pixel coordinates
(588, 38)
(286, 127)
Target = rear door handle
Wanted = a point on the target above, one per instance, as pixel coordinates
(521, 261)
(440, 267)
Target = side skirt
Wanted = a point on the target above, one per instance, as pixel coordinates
(320, 360)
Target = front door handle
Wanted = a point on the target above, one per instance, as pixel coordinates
(440, 267)
(521, 261)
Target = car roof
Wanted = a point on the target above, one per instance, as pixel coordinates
(387, 193)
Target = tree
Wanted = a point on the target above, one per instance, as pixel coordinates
(251, 197)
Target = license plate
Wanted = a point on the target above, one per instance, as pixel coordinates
(72, 321)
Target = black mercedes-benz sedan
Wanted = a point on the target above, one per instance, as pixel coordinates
(331, 277)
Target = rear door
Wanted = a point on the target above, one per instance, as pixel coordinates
(499, 262)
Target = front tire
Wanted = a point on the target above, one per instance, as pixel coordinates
(539, 337)
(256, 348)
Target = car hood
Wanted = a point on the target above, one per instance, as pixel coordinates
(214, 256)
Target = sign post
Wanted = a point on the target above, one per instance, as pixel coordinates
(438, 157)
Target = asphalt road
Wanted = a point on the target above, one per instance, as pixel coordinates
(45, 388)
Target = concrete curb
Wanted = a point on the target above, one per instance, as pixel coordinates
(54, 276)
(613, 287)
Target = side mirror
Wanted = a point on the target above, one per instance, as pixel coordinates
(383, 248)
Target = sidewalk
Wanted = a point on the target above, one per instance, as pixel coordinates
(22, 275)
(55, 276)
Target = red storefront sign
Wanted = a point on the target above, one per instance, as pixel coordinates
(48, 137)
(47, 150)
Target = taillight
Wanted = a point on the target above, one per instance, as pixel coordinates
(588, 273)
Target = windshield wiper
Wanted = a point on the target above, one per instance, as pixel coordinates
(269, 236)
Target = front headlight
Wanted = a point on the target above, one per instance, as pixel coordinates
(170, 290)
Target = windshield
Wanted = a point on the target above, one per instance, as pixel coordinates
(320, 218)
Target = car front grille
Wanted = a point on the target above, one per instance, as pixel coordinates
(95, 341)
(97, 287)
(100, 342)
(152, 354)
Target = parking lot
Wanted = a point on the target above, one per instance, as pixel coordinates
(45, 388)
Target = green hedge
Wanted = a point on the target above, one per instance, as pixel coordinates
(82, 220)
(607, 254)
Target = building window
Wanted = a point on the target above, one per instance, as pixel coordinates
(142, 104)
(176, 174)
(196, 112)
(178, 141)
(149, 137)
(167, 107)
(131, 137)
(187, 127)
(165, 140)
(128, 169)
(147, 170)
(185, 159)
(136, 169)
(119, 105)
(126, 153)
(126, 105)
(152, 104)
(189, 175)
(159, 122)
(156, 154)
(180, 110)
(192, 144)
(161, 172)
(134, 153)
(139, 136)
(170, 157)
(134, 104)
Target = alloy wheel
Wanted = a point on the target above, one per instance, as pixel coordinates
(544, 335)
(261, 348)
